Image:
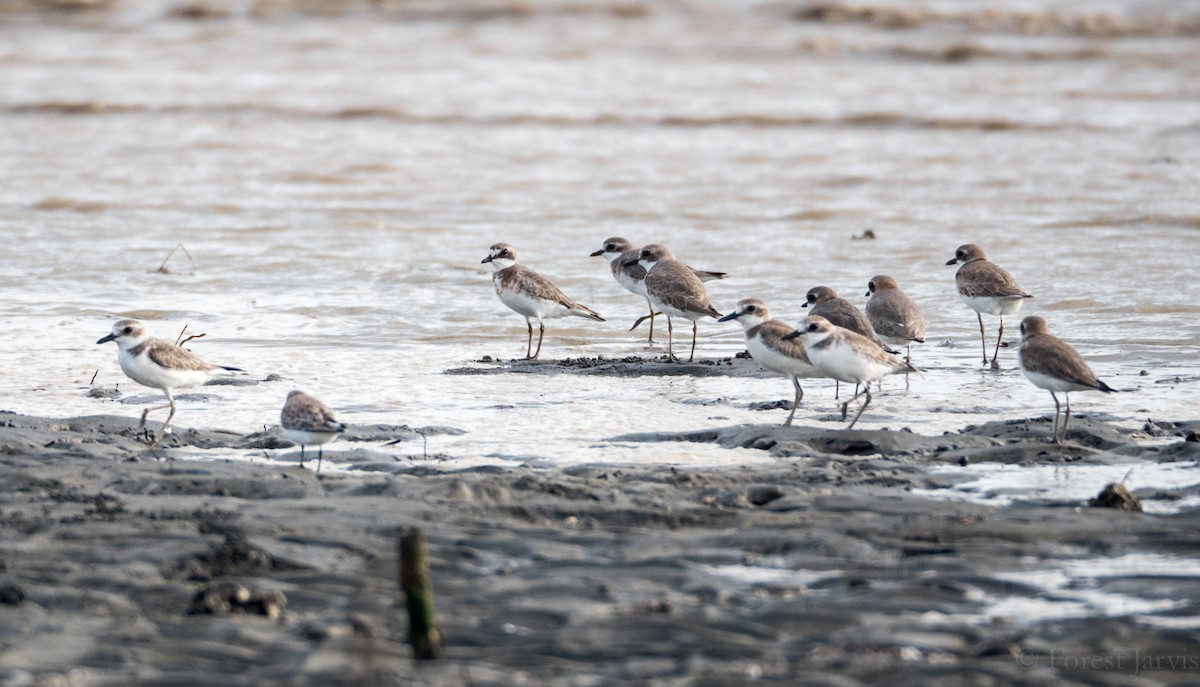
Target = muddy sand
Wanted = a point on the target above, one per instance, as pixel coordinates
(830, 567)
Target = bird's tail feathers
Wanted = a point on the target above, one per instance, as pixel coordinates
(584, 311)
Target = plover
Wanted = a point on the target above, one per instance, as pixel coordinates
(764, 340)
(307, 421)
(986, 288)
(530, 294)
(848, 357)
(896, 319)
(619, 252)
(823, 301)
(158, 364)
(1052, 364)
(675, 290)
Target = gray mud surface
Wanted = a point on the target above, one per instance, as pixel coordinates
(117, 568)
(629, 366)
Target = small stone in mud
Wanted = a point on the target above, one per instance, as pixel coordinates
(12, 595)
(1117, 495)
(1192, 437)
(229, 597)
(103, 392)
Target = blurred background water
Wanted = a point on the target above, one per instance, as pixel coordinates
(337, 170)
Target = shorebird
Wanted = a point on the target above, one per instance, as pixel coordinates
(986, 288)
(848, 357)
(160, 365)
(1052, 364)
(619, 252)
(307, 421)
(896, 319)
(764, 340)
(674, 290)
(530, 294)
(824, 302)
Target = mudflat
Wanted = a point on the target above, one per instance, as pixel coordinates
(831, 567)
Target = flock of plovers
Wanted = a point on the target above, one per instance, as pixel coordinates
(835, 341)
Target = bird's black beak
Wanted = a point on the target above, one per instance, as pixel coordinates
(487, 259)
(951, 261)
(731, 316)
(868, 293)
(631, 263)
(598, 253)
(108, 338)
(804, 305)
(789, 337)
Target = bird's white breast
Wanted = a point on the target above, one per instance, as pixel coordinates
(306, 437)
(1043, 381)
(994, 305)
(146, 372)
(777, 361)
(841, 362)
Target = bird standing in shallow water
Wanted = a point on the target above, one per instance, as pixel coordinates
(530, 294)
(674, 289)
(986, 288)
(1052, 364)
(896, 319)
(622, 256)
(848, 357)
(765, 342)
(307, 421)
(160, 365)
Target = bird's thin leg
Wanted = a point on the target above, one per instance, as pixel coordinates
(670, 340)
(693, 355)
(162, 432)
(529, 339)
(982, 338)
(149, 410)
(1057, 408)
(996, 353)
(837, 392)
(541, 333)
(908, 360)
(301, 455)
(866, 392)
(796, 401)
(320, 456)
(1067, 417)
(651, 339)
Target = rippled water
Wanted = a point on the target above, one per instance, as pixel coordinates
(337, 176)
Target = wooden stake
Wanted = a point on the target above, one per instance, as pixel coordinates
(418, 595)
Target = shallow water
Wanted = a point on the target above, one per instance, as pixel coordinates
(337, 178)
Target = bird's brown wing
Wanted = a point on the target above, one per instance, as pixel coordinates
(176, 358)
(1051, 356)
(985, 278)
(772, 333)
(674, 284)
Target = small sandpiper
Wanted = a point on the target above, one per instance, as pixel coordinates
(1052, 364)
(308, 422)
(530, 294)
(675, 290)
(847, 357)
(896, 319)
(986, 288)
(764, 340)
(160, 365)
(823, 301)
(620, 252)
